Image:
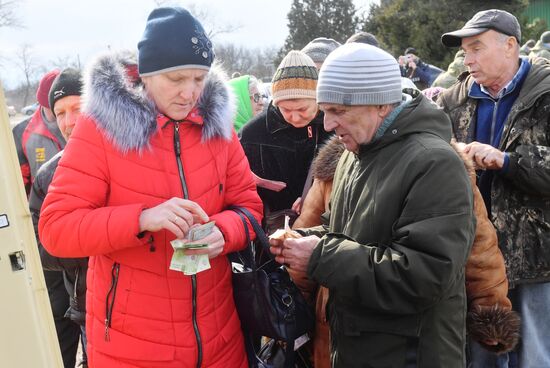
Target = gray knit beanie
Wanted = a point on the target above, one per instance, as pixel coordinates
(319, 48)
(359, 74)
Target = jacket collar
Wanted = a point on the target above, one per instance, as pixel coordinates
(536, 83)
(479, 91)
(418, 116)
(128, 117)
(194, 117)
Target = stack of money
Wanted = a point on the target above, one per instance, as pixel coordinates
(191, 264)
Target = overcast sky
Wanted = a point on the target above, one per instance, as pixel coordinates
(56, 29)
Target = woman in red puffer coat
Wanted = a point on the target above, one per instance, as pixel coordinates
(143, 165)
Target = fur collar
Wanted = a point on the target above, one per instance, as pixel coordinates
(326, 161)
(128, 117)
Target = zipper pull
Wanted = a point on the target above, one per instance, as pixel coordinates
(309, 132)
(107, 337)
(176, 140)
(152, 247)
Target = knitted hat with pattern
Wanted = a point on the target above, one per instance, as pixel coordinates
(296, 77)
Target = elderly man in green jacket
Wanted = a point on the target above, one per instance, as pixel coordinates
(400, 224)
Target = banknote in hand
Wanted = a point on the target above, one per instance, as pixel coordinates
(191, 264)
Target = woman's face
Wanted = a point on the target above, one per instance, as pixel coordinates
(176, 93)
(298, 112)
(256, 101)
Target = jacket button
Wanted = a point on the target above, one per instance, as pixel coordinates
(394, 131)
(513, 130)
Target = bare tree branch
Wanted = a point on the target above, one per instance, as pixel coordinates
(8, 16)
(62, 62)
(209, 21)
(256, 61)
(29, 66)
(160, 3)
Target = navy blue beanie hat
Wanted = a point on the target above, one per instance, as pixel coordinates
(173, 39)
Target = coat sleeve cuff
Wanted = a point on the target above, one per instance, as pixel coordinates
(510, 167)
(313, 262)
(232, 228)
(506, 163)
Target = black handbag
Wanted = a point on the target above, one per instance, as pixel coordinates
(272, 354)
(267, 300)
(276, 219)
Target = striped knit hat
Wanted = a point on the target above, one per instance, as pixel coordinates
(359, 74)
(296, 77)
(319, 48)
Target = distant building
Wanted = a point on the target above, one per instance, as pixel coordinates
(539, 9)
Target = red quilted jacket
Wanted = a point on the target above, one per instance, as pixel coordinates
(140, 313)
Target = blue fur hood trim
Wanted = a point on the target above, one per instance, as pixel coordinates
(128, 117)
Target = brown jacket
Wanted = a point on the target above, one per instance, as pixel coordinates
(489, 310)
(490, 315)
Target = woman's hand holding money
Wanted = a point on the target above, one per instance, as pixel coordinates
(176, 215)
(214, 240)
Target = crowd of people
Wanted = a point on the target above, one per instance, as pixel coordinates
(421, 197)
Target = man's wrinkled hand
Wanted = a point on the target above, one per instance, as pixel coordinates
(485, 156)
(294, 253)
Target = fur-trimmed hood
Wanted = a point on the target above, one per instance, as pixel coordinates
(128, 117)
(326, 161)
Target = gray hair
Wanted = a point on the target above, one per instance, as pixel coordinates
(503, 37)
(253, 82)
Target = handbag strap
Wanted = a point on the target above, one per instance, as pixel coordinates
(245, 256)
(289, 353)
(260, 234)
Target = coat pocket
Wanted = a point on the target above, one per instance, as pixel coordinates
(402, 325)
(130, 348)
(533, 236)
